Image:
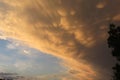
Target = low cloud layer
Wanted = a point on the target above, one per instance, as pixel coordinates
(75, 31)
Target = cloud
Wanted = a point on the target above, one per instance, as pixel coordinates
(60, 76)
(22, 50)
(2, 69)
(101, 5)
(2, 37)
(117, 17)
(22, 66)
(10, 46)
(70, 30)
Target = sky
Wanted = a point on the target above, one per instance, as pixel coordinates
(57, 39)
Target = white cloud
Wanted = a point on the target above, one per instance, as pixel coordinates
(3, 37)
(23, 65)
(11, 46)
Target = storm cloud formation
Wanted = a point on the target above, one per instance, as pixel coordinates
(73, 30)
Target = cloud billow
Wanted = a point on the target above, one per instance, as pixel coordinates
(74, 31)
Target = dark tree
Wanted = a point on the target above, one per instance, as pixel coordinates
(114, 43)
(116, 72)
(114, 40)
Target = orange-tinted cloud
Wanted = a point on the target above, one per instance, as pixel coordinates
(70, 30)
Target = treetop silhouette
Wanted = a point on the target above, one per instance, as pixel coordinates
(114, 43)
(114, 40)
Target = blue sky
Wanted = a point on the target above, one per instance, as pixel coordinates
(27, 61)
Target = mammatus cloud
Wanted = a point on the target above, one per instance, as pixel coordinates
(74, 31)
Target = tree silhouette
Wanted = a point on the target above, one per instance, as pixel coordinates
(116, 72)
(114, 43)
